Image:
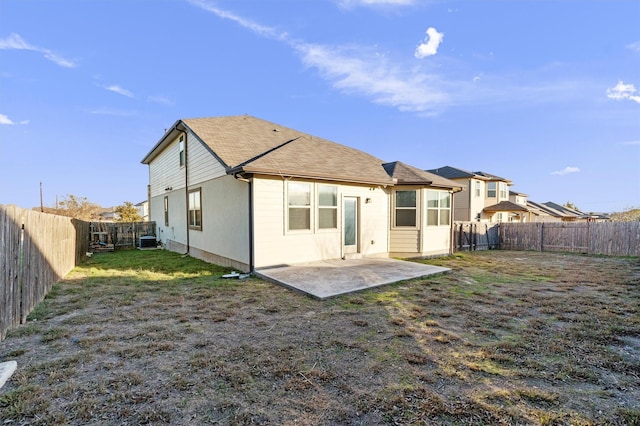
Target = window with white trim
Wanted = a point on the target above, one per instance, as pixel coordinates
(327, 207)
(406, 208)
(299, 206)
(438, 208)
(491, 189)
(503, 190)
(181, 150)
(478, 192)
(195, 209)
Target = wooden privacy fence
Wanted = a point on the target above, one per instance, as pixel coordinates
(119, 234)
(36, 250)
(472, 236)
(608, 238)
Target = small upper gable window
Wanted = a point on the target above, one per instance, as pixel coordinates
(181, 147)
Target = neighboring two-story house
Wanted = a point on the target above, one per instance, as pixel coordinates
(244, 192)
(485, 197)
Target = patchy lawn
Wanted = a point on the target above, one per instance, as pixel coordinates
(150, 337)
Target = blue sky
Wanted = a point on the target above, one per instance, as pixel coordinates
(544, 93)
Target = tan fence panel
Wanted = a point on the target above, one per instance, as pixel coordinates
(608, 238)
(37, 250)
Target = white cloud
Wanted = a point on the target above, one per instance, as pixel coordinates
(429, 46)
(352, 70)
(114, 112)
(5, 120)
(243, 22)
(158, 99)
(361, 71)
(355, 3)
(631, 143)
(635, 46)
(623, 91)
(14, 41)
(119, 90)
(567, 170)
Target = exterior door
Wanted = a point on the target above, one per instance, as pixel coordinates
(350, 229)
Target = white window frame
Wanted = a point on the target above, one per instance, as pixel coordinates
(195, 219)
(406, 208)
(181, 155)
(502, 187)
(308, 207)
(478, 189)
(320, 207)
(441, 211)
(490, 190)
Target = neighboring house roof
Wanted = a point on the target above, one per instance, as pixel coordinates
(405, 174)
(245, 144)
(566, 210)
(520, 194)
(548, 209)
(506, 206)
(455, 173)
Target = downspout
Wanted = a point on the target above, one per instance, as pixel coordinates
(186, 183)
(451, 228)
(249, 182)
(251, 260)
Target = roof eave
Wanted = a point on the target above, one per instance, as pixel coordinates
(165, 140)
(300, 175)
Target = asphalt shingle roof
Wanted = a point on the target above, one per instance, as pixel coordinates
(409, 175)
(252, 145)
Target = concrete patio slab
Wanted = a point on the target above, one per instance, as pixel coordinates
(328, 278)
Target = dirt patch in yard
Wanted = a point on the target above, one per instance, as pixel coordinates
(505, 338)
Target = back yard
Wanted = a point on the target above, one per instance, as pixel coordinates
(507, 338)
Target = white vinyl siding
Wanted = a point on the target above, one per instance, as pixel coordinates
(203, 166)
(275, 244)
(164, 173)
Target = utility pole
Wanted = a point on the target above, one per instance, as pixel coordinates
(41, 206)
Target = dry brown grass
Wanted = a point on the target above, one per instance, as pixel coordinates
(506, 338)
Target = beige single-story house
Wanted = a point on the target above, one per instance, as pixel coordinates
(247, 193)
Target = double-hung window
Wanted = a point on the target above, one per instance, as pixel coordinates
(195, 209)
(503, 190)
(406, 208)
(478, 189)
(491, 189)
(299, 205)
(327, 207)
(438, 208)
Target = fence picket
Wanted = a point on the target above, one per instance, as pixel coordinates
(36, 250)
